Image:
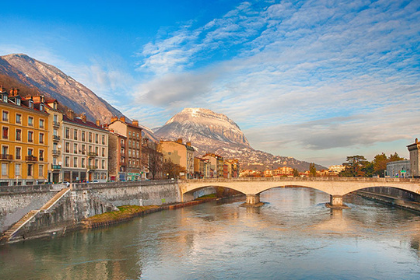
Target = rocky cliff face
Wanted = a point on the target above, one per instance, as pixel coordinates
(54, 83)
(212, 132)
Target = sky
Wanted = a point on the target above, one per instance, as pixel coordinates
(314, 80)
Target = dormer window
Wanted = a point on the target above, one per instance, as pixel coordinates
(31, 104)
(5, 98)
(18, 101)
(41, 107)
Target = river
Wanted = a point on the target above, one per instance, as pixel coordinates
(293, 236)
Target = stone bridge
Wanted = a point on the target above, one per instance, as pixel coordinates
(336, 187)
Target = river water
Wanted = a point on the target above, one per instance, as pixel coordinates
(293, 236)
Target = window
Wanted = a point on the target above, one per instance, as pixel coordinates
(83, 149)
(5, 132)
(30, 121)
(30, 152)
(67, 133)
(18, 135)
(75, 162)
(41, 123)
(55, 132)
(75, 134)
(129, 133)
(83, 136)
(66, 162)
(137, 135)
(55, 119)
(18, 152)
(30, 169)
(90, 136)
(96, 138)
(96, 151)
(83, 163)
(41, 170)
(5, 116)
(18, 118)
(67, 147)
(4, 169)
(75, 148)
(103, 139)
(103, 152)
(41, 138)
(41, 155)
(17, 169)
(5, 98)
(30, 136)
(103, 164)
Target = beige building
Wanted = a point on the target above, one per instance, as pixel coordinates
(283, 171)
(118, 157)
(179, 153)
(135, 170)
(84, 150)
(414, 158)
(216, 165)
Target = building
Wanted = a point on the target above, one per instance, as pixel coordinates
(118, 157)
(24, 140)
(132, 131)
(283, 171)
(335, 169)
(231, 168)
(151, 159)
(398, 169)
(216, 165)
(414, 158)
(179, 153)
(55, 119)
(84, 150)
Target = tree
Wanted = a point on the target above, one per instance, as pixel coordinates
(151, 159)
(379, 164)
(295, 172)
(171, 169)
(312, 170)
(354, 166)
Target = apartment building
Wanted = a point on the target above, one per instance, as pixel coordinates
(24, 140)
(132, 131)
(118, 157)
(179, 153)
(84, 150)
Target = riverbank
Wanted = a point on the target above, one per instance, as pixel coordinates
(391, 200)
(129, 212)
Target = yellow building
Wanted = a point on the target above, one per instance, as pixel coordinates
(24, 140)
(179, 153)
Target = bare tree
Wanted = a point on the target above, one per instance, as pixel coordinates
(151, 159)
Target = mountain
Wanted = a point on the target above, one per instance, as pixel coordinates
(212, 132)
(55, 84)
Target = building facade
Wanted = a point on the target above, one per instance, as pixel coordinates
(414, 158)
(84, 150)
(24, 140)
(118, 157)
(179, 153)
(398, 169)
(132, 131)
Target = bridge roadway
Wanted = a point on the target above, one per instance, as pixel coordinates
(336, 187)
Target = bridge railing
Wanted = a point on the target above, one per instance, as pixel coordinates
(300, 179)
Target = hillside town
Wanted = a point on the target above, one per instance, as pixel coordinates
(42, 144)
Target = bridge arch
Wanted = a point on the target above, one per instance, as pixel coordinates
(335, 187)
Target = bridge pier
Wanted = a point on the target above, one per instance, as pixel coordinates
(253, 200)
(336, 202)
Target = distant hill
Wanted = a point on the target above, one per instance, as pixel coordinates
(212, 132)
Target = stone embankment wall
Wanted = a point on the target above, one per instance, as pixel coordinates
(83, 201)
(393, 196)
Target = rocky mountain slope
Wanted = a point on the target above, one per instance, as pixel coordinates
(54, 83)
(212, 132)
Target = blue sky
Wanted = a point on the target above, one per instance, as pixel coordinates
(315, 80)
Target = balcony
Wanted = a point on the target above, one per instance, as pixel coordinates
(56, 152)
(31, 158)
(56, 124)
(6, 157)
(92, 167)
(55, 167)
(92, 154)
(56, 138)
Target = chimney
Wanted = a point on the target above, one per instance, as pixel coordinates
(179, 140)
(114, 118)
(1, 89)
(189, 144)
(15, 92)
(98, 123)
(122, 118)
(417, 140)
(83, 117)
(136, 123)
(70, 114)
(42, 99)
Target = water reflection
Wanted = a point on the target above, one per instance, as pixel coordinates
(293, 236)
